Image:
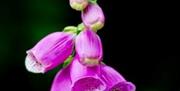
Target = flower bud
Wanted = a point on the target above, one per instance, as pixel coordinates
(89, 48)
(78, 4)
(93, 17)
(49, 52)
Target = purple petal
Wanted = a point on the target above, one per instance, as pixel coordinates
(49, 52)
(114, 80)
(93, 17)
(88, 84)
(62, 81)
(89, 48)
(85, 78)
(123, 86)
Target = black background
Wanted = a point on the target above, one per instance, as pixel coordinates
(140, 40)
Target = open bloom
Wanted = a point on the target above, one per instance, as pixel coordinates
(89, 48)
(114, 80)
(77, 77)
(49, 52)
(78, 4)
(85, 78)
(93, 17)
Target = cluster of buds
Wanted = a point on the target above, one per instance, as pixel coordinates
(91, 13)
(80, 50)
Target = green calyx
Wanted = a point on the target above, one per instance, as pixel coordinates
(93, 1)
(80, 27)
(68, 61)
(71, 29)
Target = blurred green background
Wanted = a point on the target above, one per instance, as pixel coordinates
(141, 58)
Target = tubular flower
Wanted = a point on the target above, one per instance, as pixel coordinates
(93, 17)
(78, 4)
(77, 77)
(89, 48)
(114, 80)
(49, 52)
(85, 78)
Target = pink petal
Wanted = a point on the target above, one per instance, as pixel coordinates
(51, 51)
(89, 48)
(93, 17)
(62, 81)
(85, 78)
(114, 80)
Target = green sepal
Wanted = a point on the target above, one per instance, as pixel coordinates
(71, 29)
(93, 1)
(68, 61)
(80, 27)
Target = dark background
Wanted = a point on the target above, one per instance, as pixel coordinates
(140, 40)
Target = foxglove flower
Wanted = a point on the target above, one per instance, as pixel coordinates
(114, 80)
(93, 17)
(85, 78)
(77, 77)
(62, 81)
(49, 52)
(78, 4)
(89, 48)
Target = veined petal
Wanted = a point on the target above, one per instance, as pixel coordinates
(51, 51)
(62, 81)
(85, 78)
(114, 80)
(123, 86)
(88, 84)
(89, 48)
(93, 17)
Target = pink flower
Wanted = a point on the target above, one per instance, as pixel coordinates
(51, 51)
(85, 78)
(93, 17)
(89, 48)
(114, 80)
(77, 77)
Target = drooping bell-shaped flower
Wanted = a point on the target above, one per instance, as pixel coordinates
(114, 80)
(77, 77)
(49, 52)
(78, 4)
(89, 48)
(93, 17)
(85, 78)
(62, 81)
